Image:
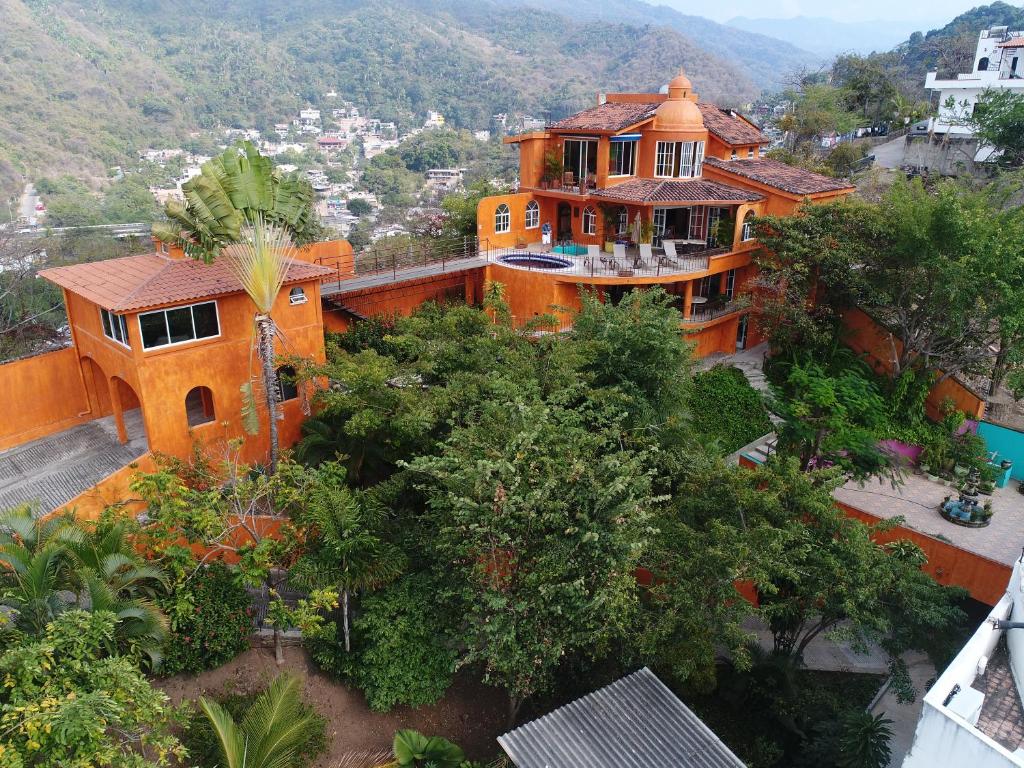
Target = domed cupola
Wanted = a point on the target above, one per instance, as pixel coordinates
(679, 112)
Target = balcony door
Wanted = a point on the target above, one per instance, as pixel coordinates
(580, 158)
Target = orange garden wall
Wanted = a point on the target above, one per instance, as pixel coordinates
(985, 579)
(866, 337)
(42, 395)
(111, 490)
(404, 297)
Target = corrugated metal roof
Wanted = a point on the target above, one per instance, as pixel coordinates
(635, 722)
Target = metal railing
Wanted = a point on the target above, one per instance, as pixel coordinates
(704, 313)
(382, 258)
(570, 258)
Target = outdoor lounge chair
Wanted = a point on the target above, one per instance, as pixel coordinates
(619, 252)
(646, 259)
(669, 259)
(593, 256)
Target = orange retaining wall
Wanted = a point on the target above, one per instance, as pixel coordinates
(403, 297)
(866, 337)
(111, 490)
(42, 395)
(983, 578)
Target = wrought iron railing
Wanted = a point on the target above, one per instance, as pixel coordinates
(711, 311)
(383, 257)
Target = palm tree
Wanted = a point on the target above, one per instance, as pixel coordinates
(349, 553)
(260, 261)
(50, 565)
(270, 731)
(233, 189)
(864, 742)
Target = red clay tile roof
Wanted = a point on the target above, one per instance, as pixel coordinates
(1013, 42)
(134, 283)
(607, 117)
(664, 191)
(728, 126)
(788, 178)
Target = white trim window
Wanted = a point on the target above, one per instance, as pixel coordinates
(589, 221)
(502, 220)
(679, 159)
(532, 215)
(623, 219)
(115, 327)
(730, 284)
(747, 233)
(750, 154)
(179, 325)
(297, 296)
(622, 158)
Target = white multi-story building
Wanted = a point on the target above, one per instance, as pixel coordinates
(309, 116)
(998, 63)
(434, 120)
(973, 714)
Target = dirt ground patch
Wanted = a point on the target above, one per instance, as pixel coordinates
(471, 714)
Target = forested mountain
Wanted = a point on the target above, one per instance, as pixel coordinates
(92, 81)
(828, 37)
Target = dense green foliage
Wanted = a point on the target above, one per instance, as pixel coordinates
(725, 408)
(209, 621)
(69, 701)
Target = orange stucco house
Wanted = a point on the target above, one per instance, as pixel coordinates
(168, 340)
(664, 163)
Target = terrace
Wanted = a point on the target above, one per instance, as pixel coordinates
(571, 259)
(917, 500)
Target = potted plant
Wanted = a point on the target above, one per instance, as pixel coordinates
(554, 167)
(1005, 464)
(646, 231)
(610, 214)
(986, 511)
(725, 232)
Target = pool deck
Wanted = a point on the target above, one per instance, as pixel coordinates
(917, 501)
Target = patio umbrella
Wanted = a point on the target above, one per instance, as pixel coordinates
(637, 227)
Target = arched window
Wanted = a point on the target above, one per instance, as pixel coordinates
(502, 219)
(589, 221)
(983, 64)
(296, 296)
(199, 406)
(748, 226)
(532, 215)
(287, 387)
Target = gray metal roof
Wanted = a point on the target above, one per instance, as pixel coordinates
(635, 722)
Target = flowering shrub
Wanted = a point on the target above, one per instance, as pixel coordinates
(211, 621)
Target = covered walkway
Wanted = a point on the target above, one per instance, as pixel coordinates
(52, 470)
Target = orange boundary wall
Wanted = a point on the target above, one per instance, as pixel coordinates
(984, 578)
(111, 490)
(866, 337)
(45, 394)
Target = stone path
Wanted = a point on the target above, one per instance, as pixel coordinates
(890, 154)
(359, 283)
(905, 716)
(52, 470)
(750, 361)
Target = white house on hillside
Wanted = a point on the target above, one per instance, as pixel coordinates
(973, 715)
(998, 63)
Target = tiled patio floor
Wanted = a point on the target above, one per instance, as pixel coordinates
(918, 501)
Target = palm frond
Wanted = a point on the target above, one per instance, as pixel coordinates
(231, 740)
(260, 262)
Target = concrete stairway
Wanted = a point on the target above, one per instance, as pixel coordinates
(52, 470)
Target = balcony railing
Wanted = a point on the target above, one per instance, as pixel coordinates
(702, 313)
(382, 258)
(572, 259)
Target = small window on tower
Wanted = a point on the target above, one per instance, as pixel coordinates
(296, 296)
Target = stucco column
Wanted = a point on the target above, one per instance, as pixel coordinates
(687, 299)
(115, 404)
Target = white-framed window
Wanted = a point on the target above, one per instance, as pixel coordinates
(623, 221)
(532, 215)
(622, 158)
(748, 226)
(679, 159)
(297, 296)
(733, 156)
(115, 327)
(179, 325)
(750, 153)
(589, 221)
(730, 284)
(502, 219)
(164, 247)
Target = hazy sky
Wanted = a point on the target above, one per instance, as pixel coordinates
(923, 14)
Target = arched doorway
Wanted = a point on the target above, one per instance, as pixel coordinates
(131, 426)
(564, 221)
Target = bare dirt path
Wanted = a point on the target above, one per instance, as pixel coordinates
(471, 714)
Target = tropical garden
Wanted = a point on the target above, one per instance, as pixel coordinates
(478, 506)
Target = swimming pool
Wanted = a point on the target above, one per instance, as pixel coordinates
(570, 250)
(535, 261)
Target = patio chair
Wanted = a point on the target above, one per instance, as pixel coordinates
(619, 252)
(669, 259)
(593, 256)
(646, 259)
(568, 179)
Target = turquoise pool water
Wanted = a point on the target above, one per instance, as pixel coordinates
(571, 250)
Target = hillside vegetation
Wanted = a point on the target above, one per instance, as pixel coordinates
(92, 82)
